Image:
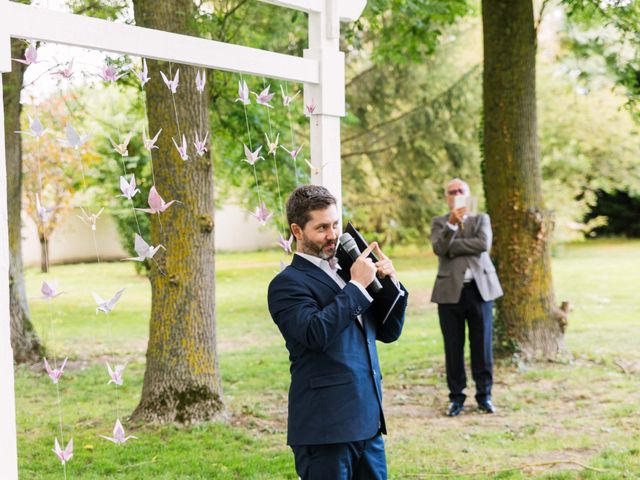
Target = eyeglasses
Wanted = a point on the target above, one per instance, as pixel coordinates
(458, 191)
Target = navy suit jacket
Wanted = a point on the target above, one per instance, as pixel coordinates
(335, 394)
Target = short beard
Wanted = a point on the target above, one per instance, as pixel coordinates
(312, 248)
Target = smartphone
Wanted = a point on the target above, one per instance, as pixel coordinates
(459, 201)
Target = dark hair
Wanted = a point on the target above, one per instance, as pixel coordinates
(305, 199)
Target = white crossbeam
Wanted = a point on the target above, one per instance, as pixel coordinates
(35, 23)
(349, 10)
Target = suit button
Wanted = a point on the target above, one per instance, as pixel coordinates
(358, 310)
(374, 373)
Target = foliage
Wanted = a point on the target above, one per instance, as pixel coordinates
(621, 210)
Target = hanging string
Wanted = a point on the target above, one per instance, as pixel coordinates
(295, 162)
(255, 173)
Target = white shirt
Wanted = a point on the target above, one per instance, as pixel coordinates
(326, 268)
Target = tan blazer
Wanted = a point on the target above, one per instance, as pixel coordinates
(459, 250)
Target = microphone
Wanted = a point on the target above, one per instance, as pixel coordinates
(350, 246)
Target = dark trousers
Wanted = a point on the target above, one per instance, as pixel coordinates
(363, 460)
(479, 315)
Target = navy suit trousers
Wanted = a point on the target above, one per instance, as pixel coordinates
(362, 460)
(479, 315)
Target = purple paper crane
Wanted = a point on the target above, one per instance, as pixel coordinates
(143, 75)
(49, 290)
(252, 157)
(66, 72)
(201, 145)
(42, 211)
(74, 139)
(286, 244)
(156, 203)
(264, 97)
(54, 374)
(122, 148)
(118, 434)
(90, 219)
(150, 143)
(273, 146)
(243, 93)
(30, 56)
(36, 129)
(143, 249)
(286, 99)
(106, 306)
(262, 214)
(293, 153)
(110, 73)
(128, 189)
(63, 456)
(310, 108)
(201, 79)
(172, 84)
(182, 149)
(116, 374)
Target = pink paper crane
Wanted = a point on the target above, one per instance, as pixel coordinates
(106, 306)
(110, 74)
(144, 250)
(310, 108)
(252, 157)
(243, 93)
(156, 203)
(115, 374)
(36, 129)
(118, 434)
(30, 56)
(49, 290)
(172, 84)
(264, 97)
(90, 219)
(73, 139)
(201, 78)
(143, 75)
(273, 146)
(66, 72)
(182, 149)
(122, 148)
(54, 374)
(150, 143)
(63, 456)
(286, 99)
(201, 145)
(286, 244)
(262, 214)
(293, 153)
(128, 189)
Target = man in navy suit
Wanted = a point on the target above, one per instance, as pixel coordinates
(330, 325)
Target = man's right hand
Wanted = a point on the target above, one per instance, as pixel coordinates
(457, 216)
(363, 269)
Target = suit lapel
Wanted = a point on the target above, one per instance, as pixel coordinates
(309, 268)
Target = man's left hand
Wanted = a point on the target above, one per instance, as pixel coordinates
(384, 266)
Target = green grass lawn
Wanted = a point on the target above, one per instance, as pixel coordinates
(575, 419)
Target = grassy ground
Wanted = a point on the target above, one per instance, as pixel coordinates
(576, 419)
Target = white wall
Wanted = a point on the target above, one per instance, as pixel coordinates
(72, 241)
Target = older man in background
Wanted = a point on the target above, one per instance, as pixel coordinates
(464, 290)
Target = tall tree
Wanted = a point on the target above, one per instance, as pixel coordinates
(182, 379)
(528, 321)
(24, 340)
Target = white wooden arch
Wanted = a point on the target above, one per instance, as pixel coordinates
(321, 69)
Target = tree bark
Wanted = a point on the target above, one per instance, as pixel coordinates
(24, 340)
(527, 319)
(182, 378)
(44, 255)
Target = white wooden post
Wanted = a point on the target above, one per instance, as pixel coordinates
(327, 96)
(8, 447)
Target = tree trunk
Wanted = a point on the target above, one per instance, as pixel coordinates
(527, 319)
(44, 255)
(24, 340)
(182, 378)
